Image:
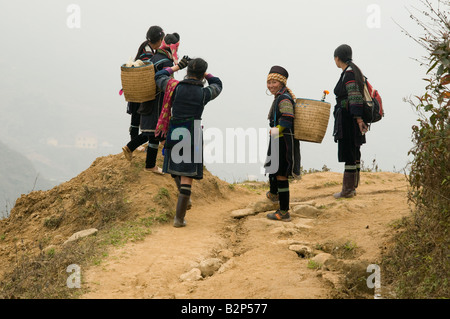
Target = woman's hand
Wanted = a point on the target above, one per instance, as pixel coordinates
(175, 68)
(362, 126)
(274, 131)
(184, 62)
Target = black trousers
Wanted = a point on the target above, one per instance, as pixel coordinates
(152, 149)
(349, 145)
(135, 118)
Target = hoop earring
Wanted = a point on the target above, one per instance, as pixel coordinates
(269, 92)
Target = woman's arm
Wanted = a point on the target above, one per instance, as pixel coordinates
(286, 120)
(213, 89)
(355, 102)
(162, 77)
(287, 114)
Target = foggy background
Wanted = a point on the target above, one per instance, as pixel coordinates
(60, 75)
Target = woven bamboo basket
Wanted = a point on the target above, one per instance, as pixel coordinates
(311, 120)
(138, 83)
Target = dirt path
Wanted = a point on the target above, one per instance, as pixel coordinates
(254, 251)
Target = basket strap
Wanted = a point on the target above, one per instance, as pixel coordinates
(160, 61)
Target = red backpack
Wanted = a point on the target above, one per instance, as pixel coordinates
(373, 105)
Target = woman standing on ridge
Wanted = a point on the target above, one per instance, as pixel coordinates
(147, 49)
(184, 102)
(287, 155)
(149, 111)
(349, 127)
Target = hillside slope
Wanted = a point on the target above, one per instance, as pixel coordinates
(254, 257)
(110, 190)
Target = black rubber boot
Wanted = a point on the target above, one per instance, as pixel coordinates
(181, 211)
(178, 183)
(348, 186)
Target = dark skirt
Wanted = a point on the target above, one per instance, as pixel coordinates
(288, 157)
(149, 118)
(348, 136)
(184, 157)
(132, 107)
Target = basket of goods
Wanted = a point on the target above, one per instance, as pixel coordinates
(311, 120)
(138, 81)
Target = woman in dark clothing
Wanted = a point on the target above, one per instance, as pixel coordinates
(155, 35)
(149, 111)
(287, 149)
(349, 127)
(188, 98)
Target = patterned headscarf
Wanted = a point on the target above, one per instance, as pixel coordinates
(278, 77)
(172, 42)
(280, 74)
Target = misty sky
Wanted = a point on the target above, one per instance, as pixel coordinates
(78, 69)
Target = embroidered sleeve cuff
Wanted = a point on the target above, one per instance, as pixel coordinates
(169, 70)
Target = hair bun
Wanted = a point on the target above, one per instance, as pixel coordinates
(172, 38)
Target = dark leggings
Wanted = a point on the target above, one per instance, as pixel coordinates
(138, 141)
(132, 109)
(152, 149)
(134, 126)
(353, 166)
(282, 189)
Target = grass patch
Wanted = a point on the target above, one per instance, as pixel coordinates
(341, 249)
(100, 205)
(331, 184)
(313, 265)
(53, 222)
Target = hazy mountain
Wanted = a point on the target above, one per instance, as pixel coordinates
(17, 176)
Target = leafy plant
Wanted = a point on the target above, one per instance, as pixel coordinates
(419, 261)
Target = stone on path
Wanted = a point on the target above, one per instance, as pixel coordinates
(209, 266)
(239, 213)
(263, 206)
(303, 223)
(301, 250)
(306, 211)
(255, 208)
(194, 275)
(323, 258)
(226, 266)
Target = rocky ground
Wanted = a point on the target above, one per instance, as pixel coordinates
(229, 248)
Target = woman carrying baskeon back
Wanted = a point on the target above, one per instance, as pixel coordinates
(349, 127)
(150, 110)
(287, 154)
(147, 49)
(184, 103)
